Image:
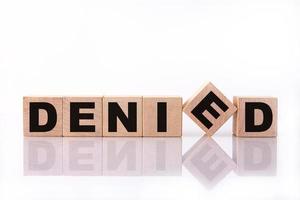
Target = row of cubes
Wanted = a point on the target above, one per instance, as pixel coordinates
(102, 116)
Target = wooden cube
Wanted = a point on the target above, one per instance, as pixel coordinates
(162, 116)
(209, 108)
(82, 116)
(207, 162)
(255, 156)
(42, 116)
(256, 117)
(122, 116)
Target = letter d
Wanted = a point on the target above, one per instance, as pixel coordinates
(34, 117)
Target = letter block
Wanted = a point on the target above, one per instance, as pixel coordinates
(82, 116)
(122, 116)
(209, 108)
(42, 116)
(256, 117)
(162, 116)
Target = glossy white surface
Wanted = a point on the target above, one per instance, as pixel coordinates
(143, 168)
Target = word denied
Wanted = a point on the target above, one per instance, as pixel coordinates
(154, 116)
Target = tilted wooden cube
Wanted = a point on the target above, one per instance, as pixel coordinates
(256, 117)
(209, 108)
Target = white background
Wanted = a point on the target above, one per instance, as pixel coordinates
(159, 47)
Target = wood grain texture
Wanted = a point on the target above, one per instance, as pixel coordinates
(173, 116)
(43, 117)
(239, 117)
(97, 115)
(123, 103)
(198, 97)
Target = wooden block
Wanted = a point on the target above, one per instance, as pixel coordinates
(256, 117)
(209, 108)
(122, 156)
(82, 156)
(162, 116)
(207, 162)
(42, 116)
(122, 116)
(82, 116)
(42, 156)
(255, 156)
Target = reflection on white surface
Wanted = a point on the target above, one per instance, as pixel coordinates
(255, 156)
(102, 156)
(94, 156)
(43, 156)
(161, 156)
(207, 162)
(82, 156)
(122, 156)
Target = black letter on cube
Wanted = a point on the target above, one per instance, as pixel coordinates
(205, 104)
(75, 117)
(161, 117)
(34, 108)
(250, 117)
(115, 111)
